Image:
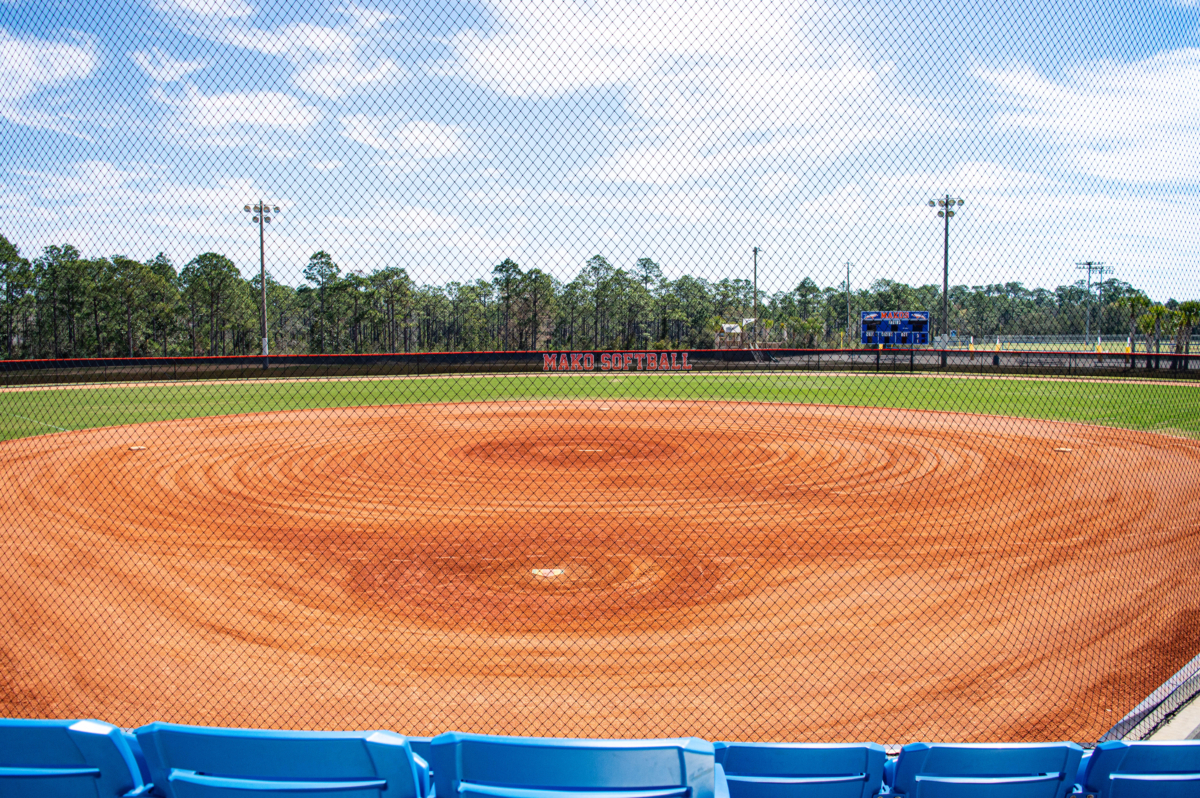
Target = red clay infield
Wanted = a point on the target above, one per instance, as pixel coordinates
(732, 571)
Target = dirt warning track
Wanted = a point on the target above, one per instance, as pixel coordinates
(582, 568)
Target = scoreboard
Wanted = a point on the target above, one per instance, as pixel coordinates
(895, 327)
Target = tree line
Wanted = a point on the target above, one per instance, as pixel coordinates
(61, 304)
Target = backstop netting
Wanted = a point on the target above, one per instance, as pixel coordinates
(753, 371)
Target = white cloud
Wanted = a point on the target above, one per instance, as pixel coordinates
(104, 208)
(31, 65)
(718, 89)
(544, 48)
(1003, 233)
(776, 183)
(368, 18)
(685, 158)
(726, 116)
(498, 195)
(1135, 122)
(967, 177)
(162, 67)
(418, 139)
(296, 42)
(83, 178)
(756, 96)
(330, 61)
(264, 109)
(407, 220)
(670, 209)
(335, 79)
(222, 9)
(326, 166)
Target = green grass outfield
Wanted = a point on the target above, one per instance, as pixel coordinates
(1170, 408)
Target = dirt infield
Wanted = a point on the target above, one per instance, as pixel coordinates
(585, 568)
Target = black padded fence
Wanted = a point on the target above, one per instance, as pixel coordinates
(753, 371)
(851, 361)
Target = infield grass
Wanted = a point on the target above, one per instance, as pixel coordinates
(1170, 408)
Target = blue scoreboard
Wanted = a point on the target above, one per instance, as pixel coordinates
(895, 327)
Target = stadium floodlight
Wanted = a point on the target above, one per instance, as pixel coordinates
(260, 210)
(946, 214)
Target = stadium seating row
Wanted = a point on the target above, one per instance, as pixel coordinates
(61, 758)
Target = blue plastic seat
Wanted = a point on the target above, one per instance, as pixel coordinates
(420, 746)
(482, 766)
(67, 759)
(212, 762)
(801, 770)
(136, 749)
(1168, 769)
(975, 770)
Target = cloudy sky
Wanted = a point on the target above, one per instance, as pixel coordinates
(446, 136)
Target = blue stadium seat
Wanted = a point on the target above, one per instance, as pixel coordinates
(420, 746)
(1167, 769)
(136, 749)
(67, 759)
(212, 762)
(801, 770)
(973, 770)
(482, 766)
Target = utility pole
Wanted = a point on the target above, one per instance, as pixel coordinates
(849, 323)
(946, 204)
(1096, 266)
(755, 322)
(260, 210)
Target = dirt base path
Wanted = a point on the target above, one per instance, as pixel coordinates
(732, 571)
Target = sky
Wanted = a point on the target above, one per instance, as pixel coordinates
(444, 137)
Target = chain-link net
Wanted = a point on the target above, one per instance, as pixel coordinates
(753, 371)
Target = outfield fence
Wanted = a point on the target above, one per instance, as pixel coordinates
(1066, 343)
(991, 362)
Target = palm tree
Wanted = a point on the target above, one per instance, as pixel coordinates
(1138, 303)
(717, 325)
(812, 327)
(1148, 326)
(1187, 316)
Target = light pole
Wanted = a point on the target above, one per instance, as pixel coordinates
(849, 328)
(755, 322)
(945, 206)
(1096, 266)
(260, 211)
